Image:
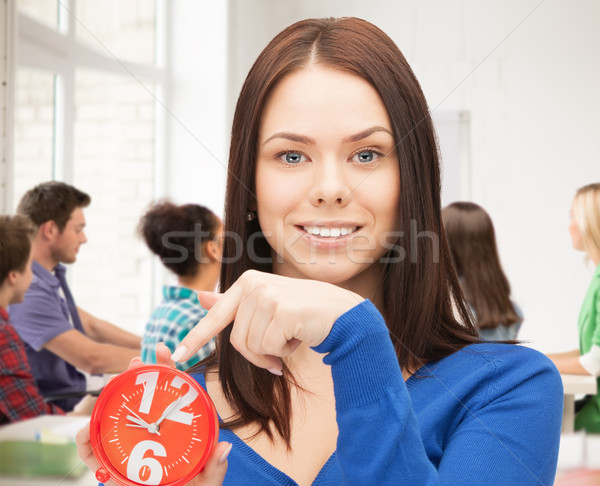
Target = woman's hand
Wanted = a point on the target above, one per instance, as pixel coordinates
(212, 474)
(272, 314)
(214, 469)
(84, 450)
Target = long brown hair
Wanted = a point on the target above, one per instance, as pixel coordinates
(419, 290)
(472, 241)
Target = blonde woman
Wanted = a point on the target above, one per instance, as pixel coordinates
(585, 236)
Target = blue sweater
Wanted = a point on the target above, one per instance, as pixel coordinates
(488, 414)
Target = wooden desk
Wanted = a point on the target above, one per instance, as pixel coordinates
(29, 430)
(575, 385)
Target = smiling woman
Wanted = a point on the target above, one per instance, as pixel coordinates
(327, 187)
(340, 361)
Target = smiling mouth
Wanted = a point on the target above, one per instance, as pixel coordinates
(330, 232)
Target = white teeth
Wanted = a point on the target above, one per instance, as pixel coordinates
(329, 232)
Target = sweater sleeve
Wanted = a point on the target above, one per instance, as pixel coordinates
(379, 440)
(487, 441)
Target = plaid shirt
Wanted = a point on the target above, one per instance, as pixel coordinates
(171, 321)
(19, 395)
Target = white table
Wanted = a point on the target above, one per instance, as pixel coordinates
(29, 430)
(575, 385)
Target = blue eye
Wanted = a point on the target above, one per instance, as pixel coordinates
(294, 157)
(365, 156)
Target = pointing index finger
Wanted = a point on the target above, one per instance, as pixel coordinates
(219, 316)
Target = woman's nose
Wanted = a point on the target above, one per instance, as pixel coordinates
(330, 185)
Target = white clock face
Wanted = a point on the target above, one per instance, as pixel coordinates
(155, 426)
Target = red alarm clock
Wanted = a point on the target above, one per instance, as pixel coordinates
(152, 425)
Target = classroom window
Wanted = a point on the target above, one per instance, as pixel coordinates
(45, 12)
(86, 89)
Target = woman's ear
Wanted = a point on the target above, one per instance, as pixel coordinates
(213, 250)
(252, 205)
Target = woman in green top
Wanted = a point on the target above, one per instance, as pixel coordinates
(585, 235)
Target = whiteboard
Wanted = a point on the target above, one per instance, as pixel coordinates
(453, 130)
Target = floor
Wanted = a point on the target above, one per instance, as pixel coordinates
(579, 460)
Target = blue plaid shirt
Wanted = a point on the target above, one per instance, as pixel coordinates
(170, 322)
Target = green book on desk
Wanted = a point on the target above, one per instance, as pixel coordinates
(35, 459)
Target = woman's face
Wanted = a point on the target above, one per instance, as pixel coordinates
(576, 240)
(327, 177)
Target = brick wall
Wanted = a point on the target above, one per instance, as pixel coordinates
(33, 129)
(114, 163)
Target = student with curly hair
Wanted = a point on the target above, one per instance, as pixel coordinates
(186, 238)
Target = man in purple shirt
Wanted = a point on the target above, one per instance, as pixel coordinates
(60, 338)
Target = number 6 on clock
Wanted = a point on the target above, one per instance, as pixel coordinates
(137, 462)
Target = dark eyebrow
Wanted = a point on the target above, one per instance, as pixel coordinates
(365, 133)
(291, 136)
(294, 137)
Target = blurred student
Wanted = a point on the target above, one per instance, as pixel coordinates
(19, 396)
(472, 243)
(60, 338)
(187, 240)
(584, 228)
